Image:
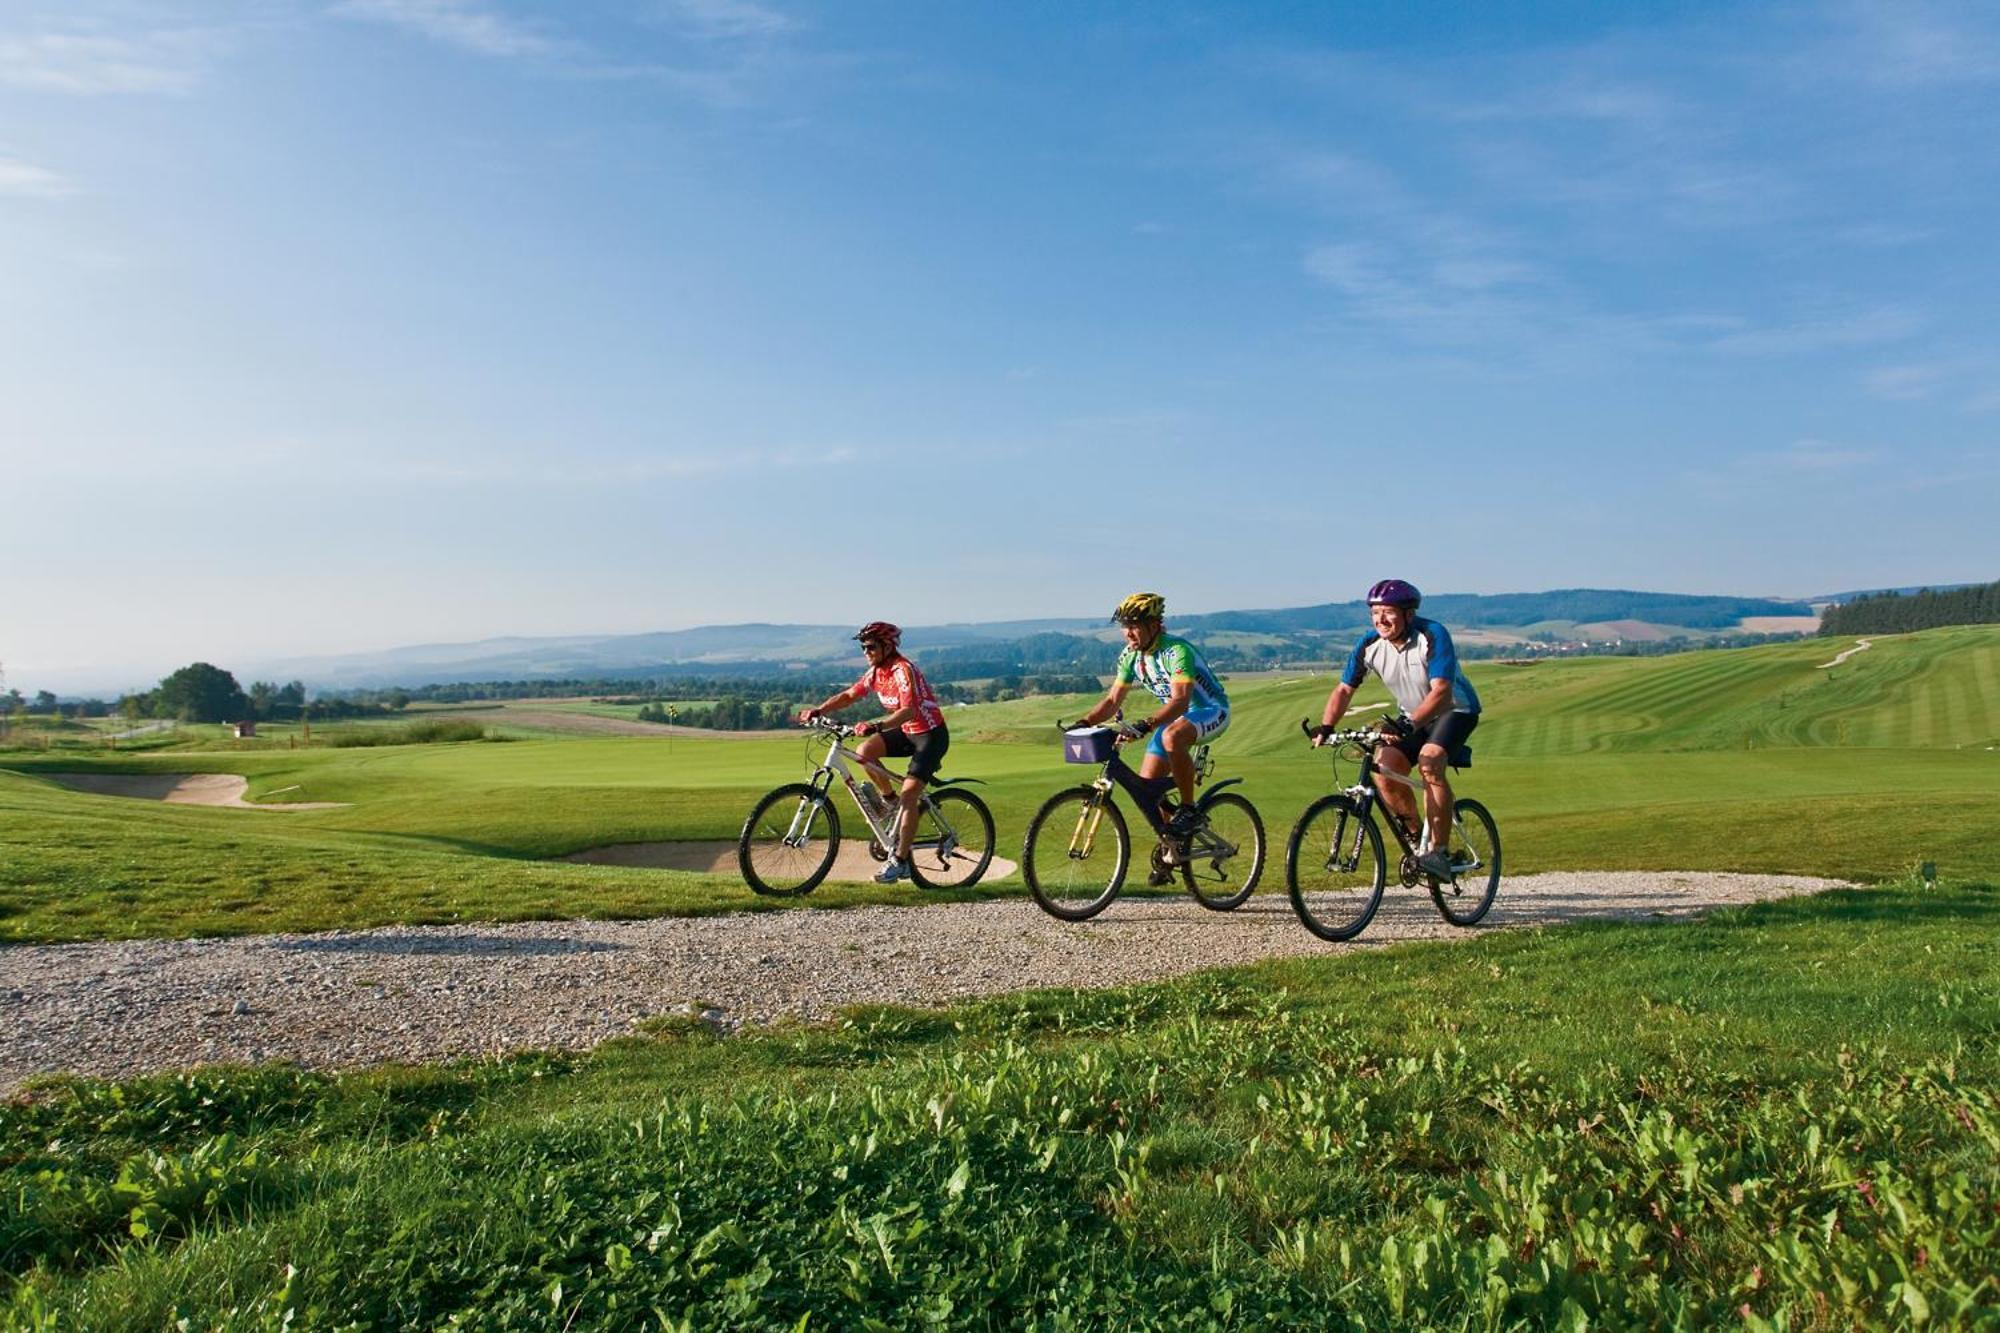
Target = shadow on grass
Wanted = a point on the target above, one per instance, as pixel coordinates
(449, 944)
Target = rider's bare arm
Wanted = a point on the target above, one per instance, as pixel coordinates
(1435, 705)
(833, 703)
(1336, 706)
(889, 721)
(1179, 694)
(1104, 707)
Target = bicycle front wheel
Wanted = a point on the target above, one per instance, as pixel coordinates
(954, 840)
(1334, 868)
(789, 841)
(1075, 854)
(1475, 865)
(1226, 854)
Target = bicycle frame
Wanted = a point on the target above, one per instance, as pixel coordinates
(837, 756)
(1367, 795)
(1145, 792)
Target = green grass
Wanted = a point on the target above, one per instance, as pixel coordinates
(1782, 1117)
(1743, 760)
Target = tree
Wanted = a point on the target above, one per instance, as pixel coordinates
(45, 702)
(200, 692)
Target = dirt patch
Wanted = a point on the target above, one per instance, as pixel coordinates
(1860, 646)
(218, 789)
(851, 864)
(1779, 624)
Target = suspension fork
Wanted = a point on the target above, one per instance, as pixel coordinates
(1085, 837)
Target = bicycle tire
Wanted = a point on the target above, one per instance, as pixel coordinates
(1067, 887)
(970, 822)
(1463, 901)
(1224, 882)
(1334, 868)
(775, 867)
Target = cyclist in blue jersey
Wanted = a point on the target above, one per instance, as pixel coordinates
(1194, 708)
(1416, 661)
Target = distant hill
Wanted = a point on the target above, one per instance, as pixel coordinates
(966, 651)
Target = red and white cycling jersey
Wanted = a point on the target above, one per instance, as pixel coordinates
(900, 683)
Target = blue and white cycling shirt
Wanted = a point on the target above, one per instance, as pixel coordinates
(1426, 655)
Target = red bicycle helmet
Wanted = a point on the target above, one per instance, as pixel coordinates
(881, 631)
(1395, 592)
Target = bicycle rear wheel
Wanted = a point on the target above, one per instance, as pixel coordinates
(954, 840)
(1226, 854)
(1075, 854)
(1475, 863)
(1334, 868)
(789, 841)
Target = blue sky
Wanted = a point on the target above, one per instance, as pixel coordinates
(340, 325)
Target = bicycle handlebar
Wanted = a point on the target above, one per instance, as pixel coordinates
(1120, 725)
(1364, 736)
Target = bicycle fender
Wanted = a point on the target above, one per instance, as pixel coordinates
(936, 783)
(1226, 782)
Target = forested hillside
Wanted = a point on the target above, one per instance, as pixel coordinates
(1899, 613)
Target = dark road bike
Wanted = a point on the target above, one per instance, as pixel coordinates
(1079, 847)
(1335, 869)
(789, 842)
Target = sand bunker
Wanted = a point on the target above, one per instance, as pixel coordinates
(851, 864)
(223, 789)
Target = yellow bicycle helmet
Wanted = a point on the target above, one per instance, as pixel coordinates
(1141, 608)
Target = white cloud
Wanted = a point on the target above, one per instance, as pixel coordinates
(1903, 43)
(1905, 383)
(1812, 457)
(730, 19)
(25, 179)
(465, 24)
(1865, 329)
(88, 64)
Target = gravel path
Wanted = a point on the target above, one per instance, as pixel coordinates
(420, 993)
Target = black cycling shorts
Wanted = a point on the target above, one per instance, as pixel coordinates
(1448, 731)
(925, 750)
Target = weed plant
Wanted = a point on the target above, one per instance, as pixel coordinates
(1779, 1117)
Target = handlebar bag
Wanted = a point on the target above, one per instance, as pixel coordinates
(1089, 745)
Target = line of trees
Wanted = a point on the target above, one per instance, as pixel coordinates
(1900, 613)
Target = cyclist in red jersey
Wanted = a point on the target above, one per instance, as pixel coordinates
(913, 729)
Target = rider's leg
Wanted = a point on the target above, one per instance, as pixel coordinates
(1402, 802)
(872, 748)
(1437, 794)
(910, 796)
(1164, 760)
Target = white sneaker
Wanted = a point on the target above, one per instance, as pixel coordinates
(893, 873)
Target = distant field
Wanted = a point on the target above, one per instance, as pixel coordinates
(1752, 759)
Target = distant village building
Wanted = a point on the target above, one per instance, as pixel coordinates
(242, 730)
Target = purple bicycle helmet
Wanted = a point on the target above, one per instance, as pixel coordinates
(1395, 592)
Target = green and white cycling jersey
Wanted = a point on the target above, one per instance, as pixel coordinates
(1172, 658)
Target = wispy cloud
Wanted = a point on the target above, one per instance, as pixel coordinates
(1908, 43)
(729, 19)
(1866, 328)
(466, 24)
(87, 64)
(1906, 383)
(1811, 458)
(26, 180)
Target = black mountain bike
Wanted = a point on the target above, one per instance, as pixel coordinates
(793, 833)
(1335, 869)
(1078, 847)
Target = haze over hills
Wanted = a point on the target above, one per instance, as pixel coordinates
(1591, 613)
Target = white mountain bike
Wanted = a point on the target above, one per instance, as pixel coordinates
(790, 840)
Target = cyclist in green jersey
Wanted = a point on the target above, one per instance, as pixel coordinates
(1194, 707)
